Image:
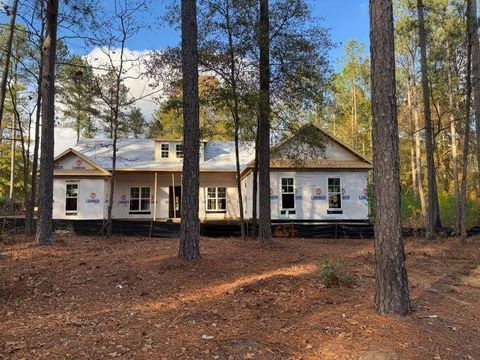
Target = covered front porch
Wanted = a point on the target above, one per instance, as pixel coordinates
(156, 195)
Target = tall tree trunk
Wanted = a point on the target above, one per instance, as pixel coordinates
(391, 290)
(25, 149)
(413, 169)
(29, 216)
(433, 210)
(471, 31)
(412, 149)
(476, 87)
(453, 134)
(6, 66)
(239, 182)
(418, 155)
(113, 179)
(13, 146)
(255, 189)
(264, 219)
(354, 117)
(236, 116)
(418, 144)
(44, 227)
(115, 111)
(189, 247)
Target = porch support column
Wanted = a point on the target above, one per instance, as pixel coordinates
(155, 186)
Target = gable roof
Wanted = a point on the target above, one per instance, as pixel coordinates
(361, 162)
(219, 156)
(97, 169)
(333, 138)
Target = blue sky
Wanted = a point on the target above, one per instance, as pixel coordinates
(346, 19)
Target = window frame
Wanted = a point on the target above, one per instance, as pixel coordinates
(177, 152)
(217, 199)
(288, 193)
(167, 150)
(71, 212)
(140, 198)
(339, 193)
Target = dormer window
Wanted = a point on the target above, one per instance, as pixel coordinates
(179, 151)
(165, 150)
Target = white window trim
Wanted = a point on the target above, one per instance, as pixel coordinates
(216, 210)
(140, 200)
(294, 193)
(176, 151)
(161, 150)
(340, 193)
(71, 212)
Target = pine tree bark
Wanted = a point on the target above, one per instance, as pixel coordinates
(354, 117)
(391, 285)
(24, 149)
(412, 149)
(44, 226)
(471, 31)
(255, 189)
(433, 211)
(8, 55)
(236, 116)
(453, 134)
(29, 215)
(476, 86)
(418, 159)
(13, 147)
(189, 247)
(264, 218)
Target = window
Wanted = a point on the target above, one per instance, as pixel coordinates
(140, 200)
(165, 151)
(216, 199)
(71, 199)
(334, 193)
(288, 193)
(179, 151)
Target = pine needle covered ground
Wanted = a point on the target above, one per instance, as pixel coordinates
(131, 298)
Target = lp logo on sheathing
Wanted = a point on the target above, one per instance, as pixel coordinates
(79, 165)
(93, 199)
(318, 195)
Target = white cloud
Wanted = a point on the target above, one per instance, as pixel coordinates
(64, 138)
(140, 86)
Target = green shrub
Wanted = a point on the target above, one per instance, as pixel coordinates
(334, 273)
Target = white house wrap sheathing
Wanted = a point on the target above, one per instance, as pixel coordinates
(139, 162)
(311, 195)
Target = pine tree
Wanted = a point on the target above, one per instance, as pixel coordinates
(134, 124)
(391, 283)
(189, 246)
(45, 204)
(433, 210)
(263, 143)
(7, 57)
(77, 93)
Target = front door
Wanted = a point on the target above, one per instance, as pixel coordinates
(174, 201)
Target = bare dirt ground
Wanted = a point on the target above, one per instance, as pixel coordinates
(131, 298)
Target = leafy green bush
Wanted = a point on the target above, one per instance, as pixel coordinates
(334, 273)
